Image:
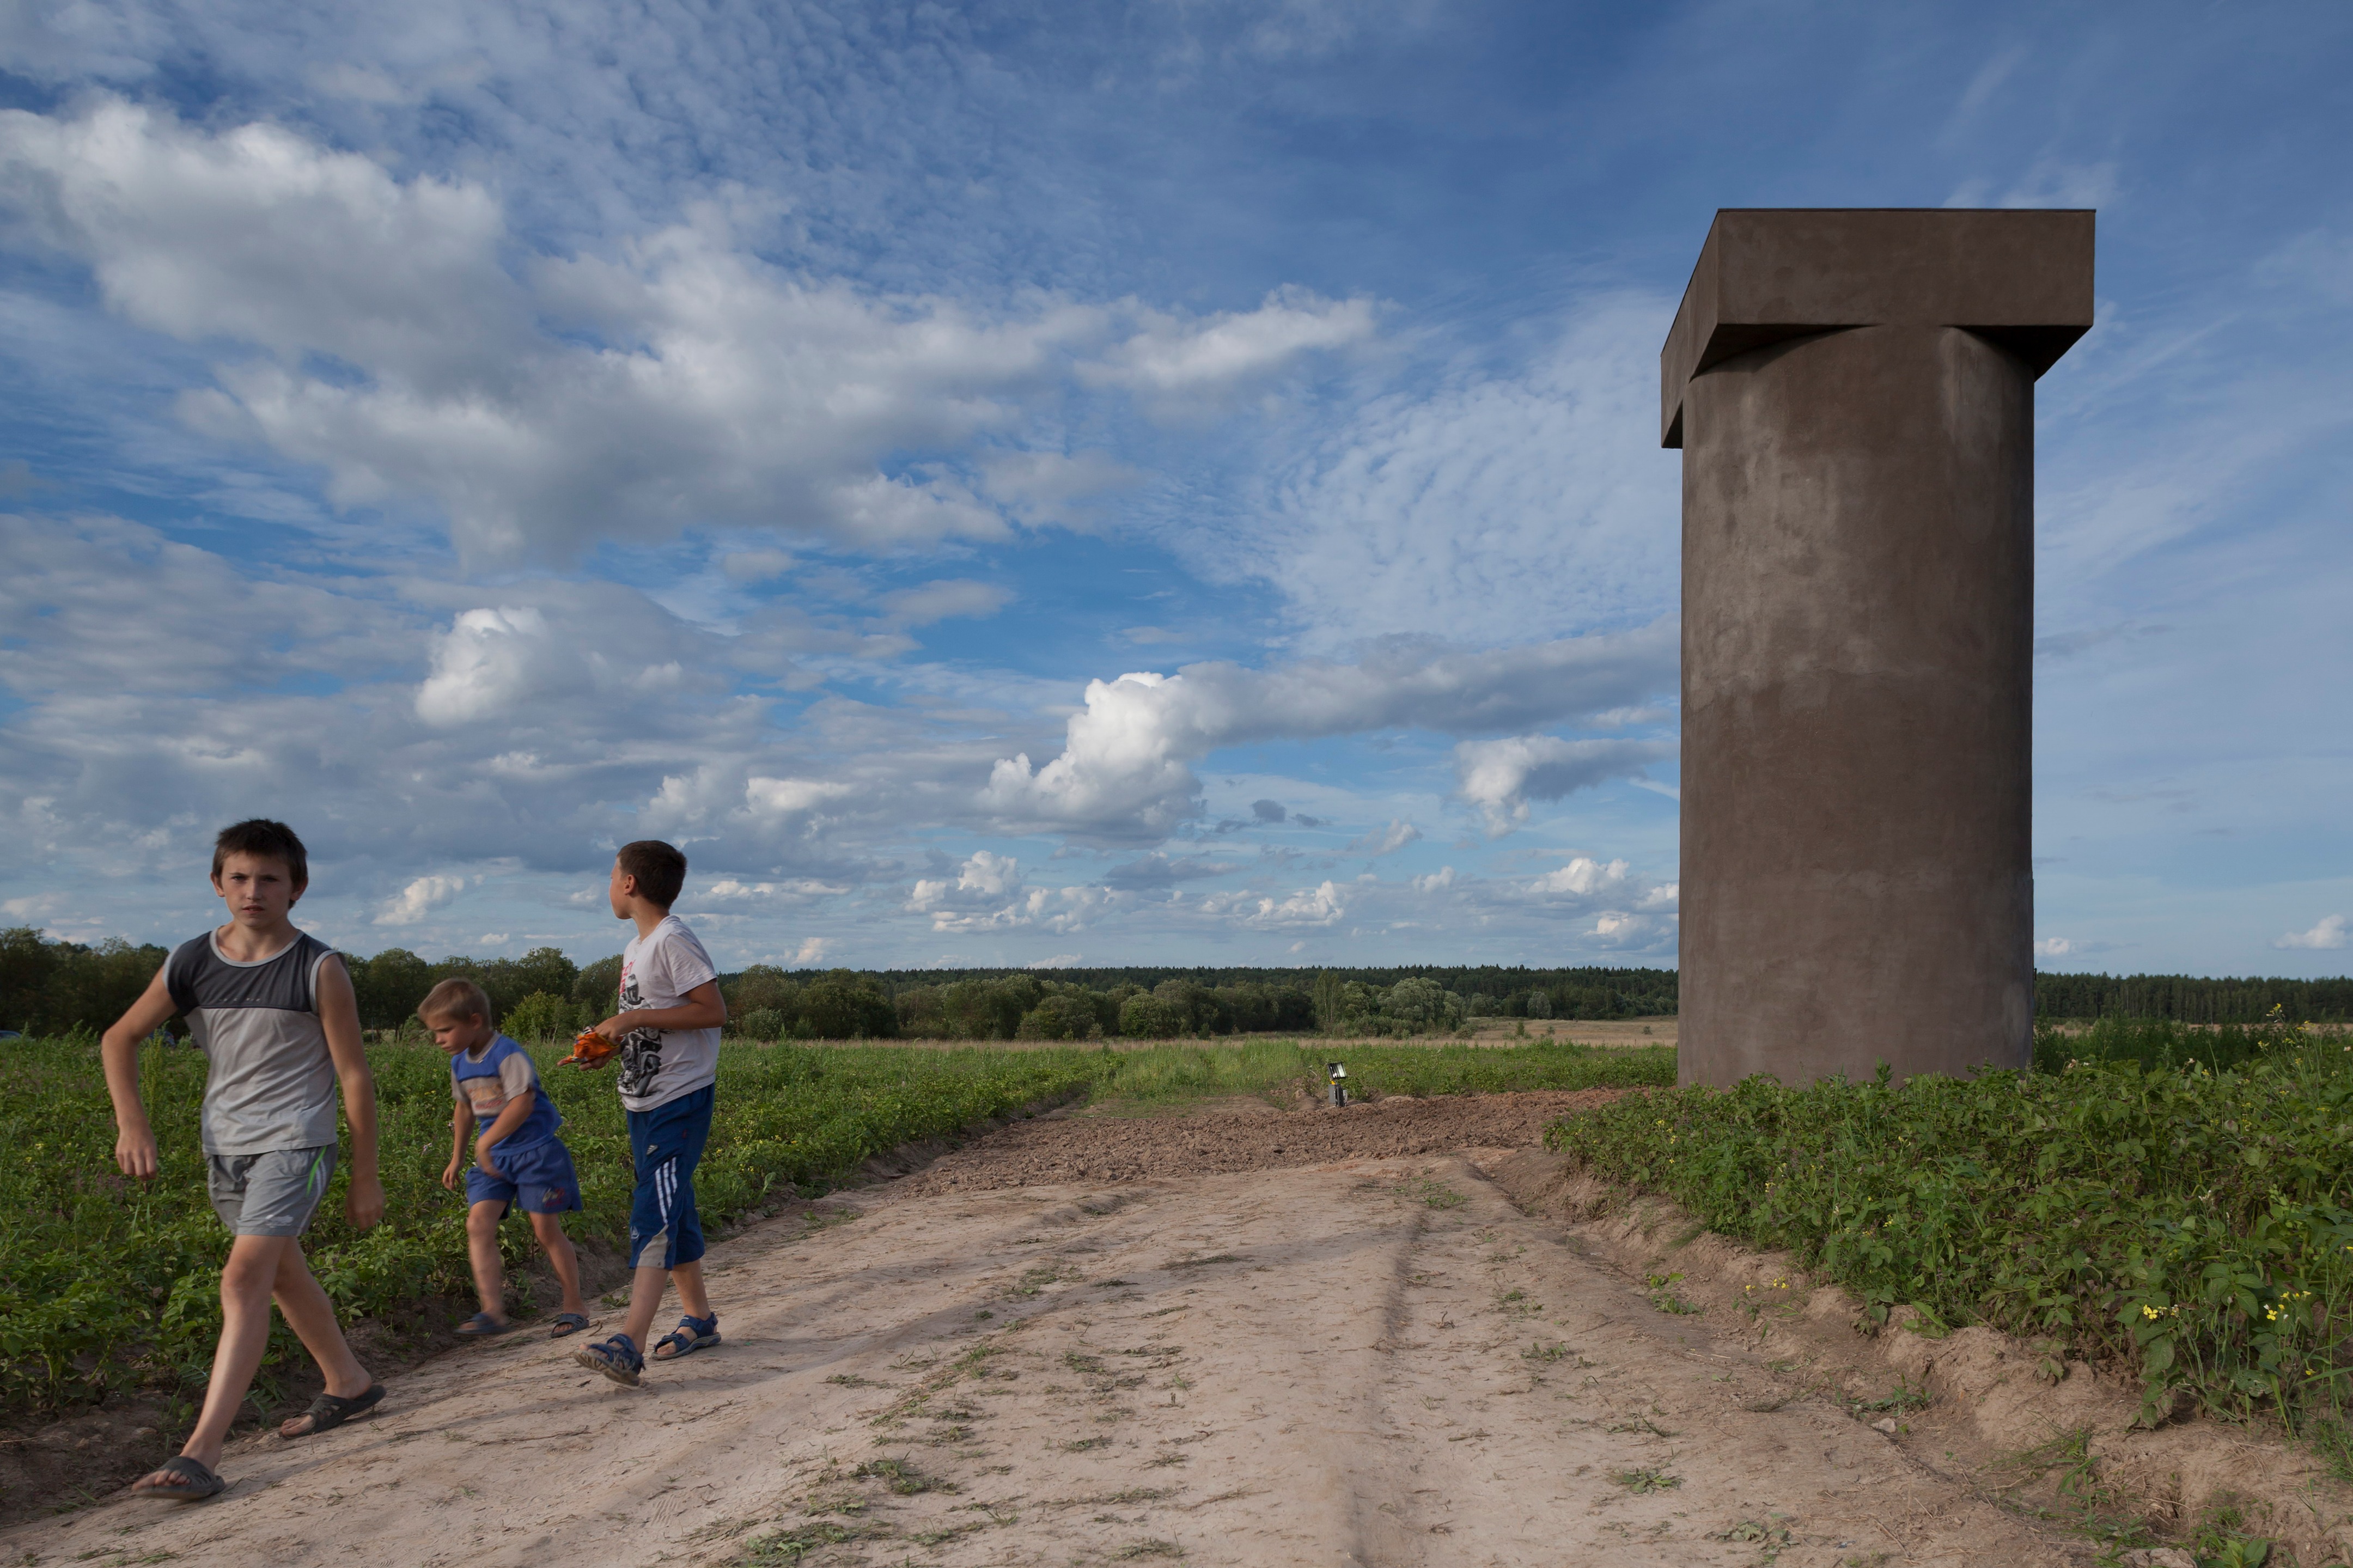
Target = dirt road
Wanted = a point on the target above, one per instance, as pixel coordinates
(1347, 1360)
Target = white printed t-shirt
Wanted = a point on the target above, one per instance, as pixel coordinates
(658, 970)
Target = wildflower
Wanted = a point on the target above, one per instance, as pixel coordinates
(2149, 1312)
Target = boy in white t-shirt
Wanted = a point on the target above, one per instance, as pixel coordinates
(667, 1029)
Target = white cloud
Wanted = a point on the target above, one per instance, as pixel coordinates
(1387, 840)
(544, 402)
(1178, 366)
(945, 601)
(811, 952)
(1500, 777)
(987, 893)
(1323, 905)
(1059, 961)
(420, 898)
(1584, 877)
(2329, 933)
(1124, 770)
(754, 565)
(493, 662)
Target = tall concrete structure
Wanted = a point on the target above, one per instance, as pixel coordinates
(1854, 393)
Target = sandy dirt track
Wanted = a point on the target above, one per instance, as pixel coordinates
(1372, 1359)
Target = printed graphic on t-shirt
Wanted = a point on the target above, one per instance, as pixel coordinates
(641, 1050)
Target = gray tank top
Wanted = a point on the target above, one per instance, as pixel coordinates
(272, 1083)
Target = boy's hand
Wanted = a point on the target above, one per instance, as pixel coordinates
(134, 1151)
(592, 1049)
(363, 1203)
(482, 1147)
(450, 1176)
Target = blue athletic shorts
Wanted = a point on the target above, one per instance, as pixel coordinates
(537, 1180)
(667, 1144)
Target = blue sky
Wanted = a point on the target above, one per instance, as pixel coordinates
(1045, 484)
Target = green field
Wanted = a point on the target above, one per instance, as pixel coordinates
(2175, 1203)
(106, 1286)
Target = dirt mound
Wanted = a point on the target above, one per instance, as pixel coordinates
(1065, 1147)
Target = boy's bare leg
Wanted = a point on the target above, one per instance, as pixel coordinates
(248, 1280)
(549, 1228)
(687, 1277)
(646, 1295)
(482, 1247)
(311, 1316)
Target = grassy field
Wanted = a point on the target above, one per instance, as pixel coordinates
(2176, 1202)
(106, 1285)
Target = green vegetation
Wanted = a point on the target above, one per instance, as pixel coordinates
(106, 1285)
(2192, 1223)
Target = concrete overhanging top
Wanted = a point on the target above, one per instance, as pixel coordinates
(2020, 278)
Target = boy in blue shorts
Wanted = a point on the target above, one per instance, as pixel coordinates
(517, 1158)
(668, 1031)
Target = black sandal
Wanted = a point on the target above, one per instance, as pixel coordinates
(328, 1412)
(197, 1481)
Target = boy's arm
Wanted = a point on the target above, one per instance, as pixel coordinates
(461, 1121)
(118, 1051)
(339, 1015)
(509, 1118)
(702, 1009)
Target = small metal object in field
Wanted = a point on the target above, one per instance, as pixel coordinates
(1335, 1073)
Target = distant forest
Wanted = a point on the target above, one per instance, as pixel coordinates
(55, 987)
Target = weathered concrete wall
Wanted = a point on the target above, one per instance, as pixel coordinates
(1854, 395)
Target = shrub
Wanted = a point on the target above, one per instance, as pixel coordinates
(764, 1024)
(1147, 1016)
(542, 1016)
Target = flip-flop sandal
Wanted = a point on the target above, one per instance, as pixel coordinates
(197, 1481)
(565, 1324)
(328, 1412)
(617, 1358)
(482, 1326)
(690, 1336)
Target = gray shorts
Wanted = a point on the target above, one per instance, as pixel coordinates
(269, 1194)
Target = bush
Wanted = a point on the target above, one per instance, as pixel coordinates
(542, 1016)
(1062, 1016)
(843, 1005)
(1146, 1016)
(764, 1024)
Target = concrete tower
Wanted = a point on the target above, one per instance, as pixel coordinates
(1854, 393)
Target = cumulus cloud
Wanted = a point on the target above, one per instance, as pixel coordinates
(2328, 934)
(945, 601)
(1387, 840)
(543, 402)
(420, 898)
(1500, 777)
(1126, 767)
(494, 661)
(1323, 905)
(1178, 366)
(988, 893)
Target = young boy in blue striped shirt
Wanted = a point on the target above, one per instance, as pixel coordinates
(517, 1158)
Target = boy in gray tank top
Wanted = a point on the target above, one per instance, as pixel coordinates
(273, 1010)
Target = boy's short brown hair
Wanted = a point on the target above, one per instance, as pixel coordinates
(660, 868)
(270, 840)
(456, 998)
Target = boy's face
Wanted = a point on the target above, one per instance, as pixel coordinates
(459, 1034)
(259, 891)
(623, 889)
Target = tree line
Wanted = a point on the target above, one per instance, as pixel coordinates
(55, 987)
(2192, 998)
